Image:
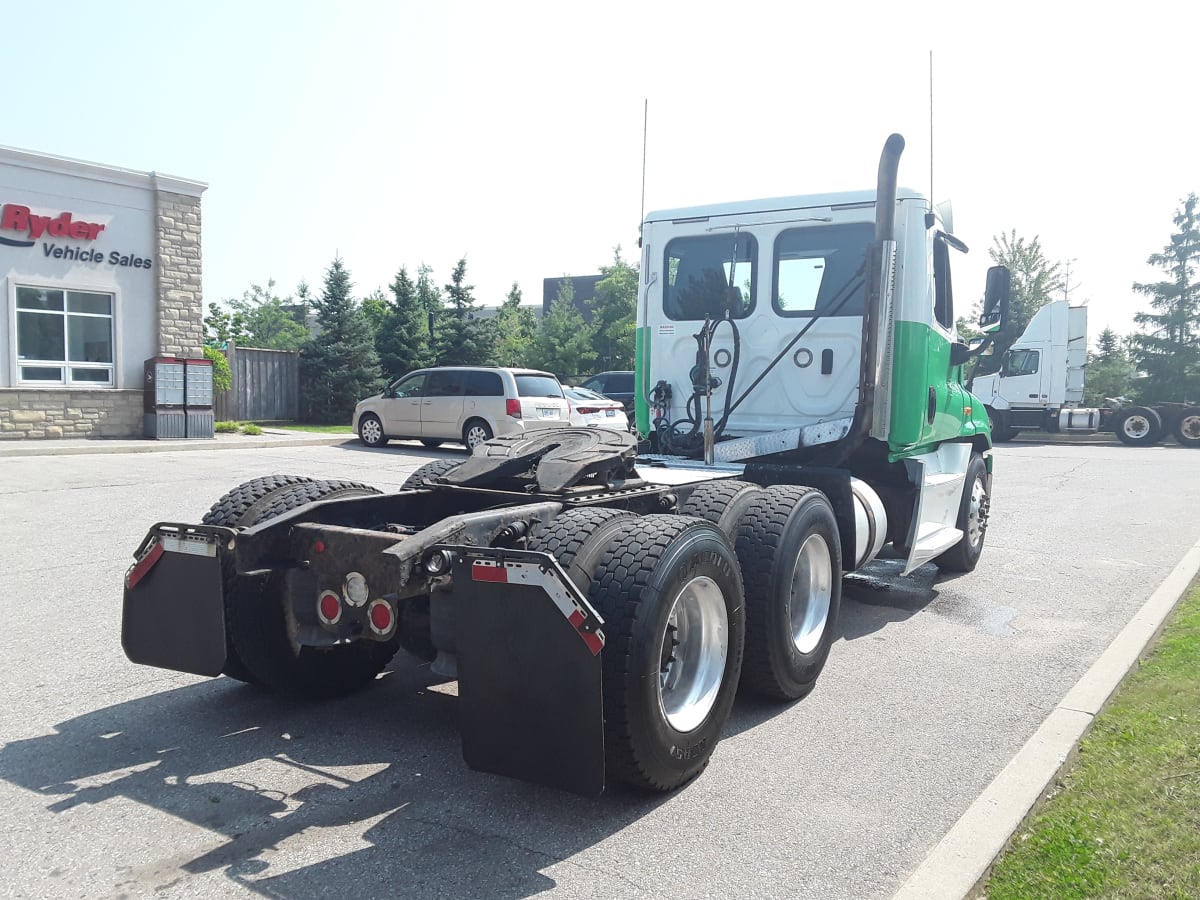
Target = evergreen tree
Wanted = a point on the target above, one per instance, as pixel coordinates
(1109, 371)
(516, 330)
(464, 339)
(614, 312)
(402, 335)
(564, 343)
(1168, 349)
(339, 366)
(1034, 279)
(429, 298)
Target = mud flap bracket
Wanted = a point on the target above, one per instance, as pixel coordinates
(529, 678)
(173, 615)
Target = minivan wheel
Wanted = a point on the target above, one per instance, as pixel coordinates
(370, 431)
(475, 432)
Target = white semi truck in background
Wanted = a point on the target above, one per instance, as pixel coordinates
(1040, 388)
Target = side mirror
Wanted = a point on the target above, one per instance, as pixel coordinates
(995, 299)
(960, 353)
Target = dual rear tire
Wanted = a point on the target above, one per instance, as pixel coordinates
(258, 649)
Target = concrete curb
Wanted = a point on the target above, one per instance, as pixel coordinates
(52, 448)
(960, 862)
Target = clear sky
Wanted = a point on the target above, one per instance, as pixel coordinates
(403, 132)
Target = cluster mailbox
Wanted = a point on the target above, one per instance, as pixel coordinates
(177, 400)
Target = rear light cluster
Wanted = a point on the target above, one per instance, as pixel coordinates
(381, 616)
(588, 410)
(513, 408)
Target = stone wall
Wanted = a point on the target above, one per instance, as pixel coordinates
(180, 301)
(26, 413)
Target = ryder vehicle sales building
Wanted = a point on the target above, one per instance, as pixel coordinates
(99, 271)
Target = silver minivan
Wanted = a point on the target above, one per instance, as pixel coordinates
(461, 403)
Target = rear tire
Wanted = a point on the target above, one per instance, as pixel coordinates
(475, 432)
(1138, 426)
(791, 558)
(428, 474)
(370, 431)
(235, 508)
(257, 628)
(1187, 429)
(670, 592)
(972, 520)
(723, 503)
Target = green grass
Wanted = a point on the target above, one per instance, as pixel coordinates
(251, 429)
(226, 427)
(1125, 819)
(323, 429)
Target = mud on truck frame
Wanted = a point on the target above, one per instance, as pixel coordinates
(601, 600)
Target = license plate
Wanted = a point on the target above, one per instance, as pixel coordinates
(610, 412)
(548, 413)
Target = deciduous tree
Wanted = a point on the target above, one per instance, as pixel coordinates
(1034, 280)
(614, 311)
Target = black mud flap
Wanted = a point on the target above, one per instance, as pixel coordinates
(174, 613)
(529, 679)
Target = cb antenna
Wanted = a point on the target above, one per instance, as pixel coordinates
(645, 129)
(929, 216)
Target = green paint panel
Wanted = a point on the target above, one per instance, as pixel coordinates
(929, 403)
(641, 366)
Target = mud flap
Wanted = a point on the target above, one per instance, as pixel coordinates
(529, 678)
(174, 613)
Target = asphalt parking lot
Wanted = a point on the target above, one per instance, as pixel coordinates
(118, 780)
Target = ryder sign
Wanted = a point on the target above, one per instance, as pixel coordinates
(21, 227)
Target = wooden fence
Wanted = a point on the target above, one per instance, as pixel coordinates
(266, 386)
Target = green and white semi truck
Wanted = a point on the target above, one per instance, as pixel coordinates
(598, 598)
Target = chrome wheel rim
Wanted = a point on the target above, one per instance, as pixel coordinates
(1189, 427)
(812, 591)
(692, 657)
(476, 435)
(976, 513)
(371, 430)
(1136, 426)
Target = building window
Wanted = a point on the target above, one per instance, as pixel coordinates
(64, 337)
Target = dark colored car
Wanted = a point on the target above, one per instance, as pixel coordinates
(615, 386)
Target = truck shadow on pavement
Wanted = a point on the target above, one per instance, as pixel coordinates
(283, 783)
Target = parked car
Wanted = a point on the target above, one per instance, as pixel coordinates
(461, 403)
(592, 410)
(614, 385)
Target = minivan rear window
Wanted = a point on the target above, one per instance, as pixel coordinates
(538, 386)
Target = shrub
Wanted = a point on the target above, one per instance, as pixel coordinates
(251, 429)
(225, 427)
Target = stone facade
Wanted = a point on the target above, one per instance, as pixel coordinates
(41, 413)
(180, 302)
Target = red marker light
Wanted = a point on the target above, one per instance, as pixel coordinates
(319, 547)
(380, 616)
(329, 607)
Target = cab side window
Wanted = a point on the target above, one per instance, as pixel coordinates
(1020, 362)
(943, 298)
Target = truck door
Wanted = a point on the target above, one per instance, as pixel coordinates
(1022, 378)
